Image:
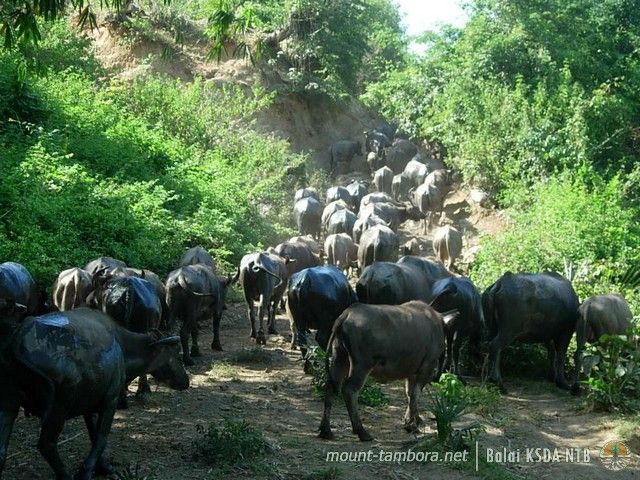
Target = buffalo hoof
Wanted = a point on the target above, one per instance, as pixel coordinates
(188, 362)
(411, 427)
(261, 339)
(364, 436)
(215, 345)
(252, 334)
(104, 468)
(195, 351)
(575, 389)
(326, 434)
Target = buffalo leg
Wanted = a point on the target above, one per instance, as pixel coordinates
(195, 349)
(350, 391)
(143, 385)
(215, 343)
(103, 467)
(272, 317)
(294, 334)
(448, 355)
(337, 368)
(102, 429)
(495, 349)
(185, 332)
(50, 430)
(263, 308)
(551, 357)
(8, 414)
(561, 345)
(252, 319)
(457, 345)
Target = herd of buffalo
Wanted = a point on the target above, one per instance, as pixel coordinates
(74, 353)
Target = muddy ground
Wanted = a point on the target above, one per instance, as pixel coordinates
(276, 397)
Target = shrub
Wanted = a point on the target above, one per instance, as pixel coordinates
(614, 379)
(232, 444)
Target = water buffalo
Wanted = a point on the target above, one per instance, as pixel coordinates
(441, 178)
(458, 293)
(315, 298)
(18, 286)
(197, 256)
(331, 209)
(357, 189)
(430, 201)
(307, 213)
(411, 278)
(341, 221)
(375, 141)
(399, 154)
(263, 277)
(375, 161)
(400, 186)
(338, 193)
(364, 223)
(599, 315)
(195, 293)
(416, 171)
(383, 179)
(103, 264)
(134, 304)
(341, 251)
(341, 153)
(304, 193)
(377, 197)
(390, 342)
(412, 247)
(297, 255)
(447, 245)
(387, 129)
(71, 288)
(309, 241)
(377, 244)
(530, 308)
(393, 214)
(66, 364)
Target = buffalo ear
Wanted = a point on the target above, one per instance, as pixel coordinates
(170, 341)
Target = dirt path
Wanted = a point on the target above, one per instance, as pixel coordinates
(275, 396)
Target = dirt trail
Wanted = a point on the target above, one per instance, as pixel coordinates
(276, 397)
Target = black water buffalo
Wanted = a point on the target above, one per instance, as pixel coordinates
(195, 293)
(66, 364)
(530, 308)
(447, 245)
(315, 298)
(390, 343)
(297, 255)
(103, 264)
(17, 285)
(399, 154)
(599, 315)
(383, 179)
(364, 223)
(134, 304)
(341, 221)
(377, 197)
(375, 141)
(71, 288)
(197, 256)
(400, 186)
(411, 278)
(377, 244)
(304, 193)
(308, 213)
(342, 152)
(357, 189)
(338, 193)
(416, 171)
(458, 293)
(263, 277)
(330, 209)
(393, 214)
(442, 178)
(429, 199)
(309, 241)
(341, 251)
(387, 129)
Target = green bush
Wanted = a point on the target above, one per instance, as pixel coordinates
(232, 444)
(371, 395)
(614, 379)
